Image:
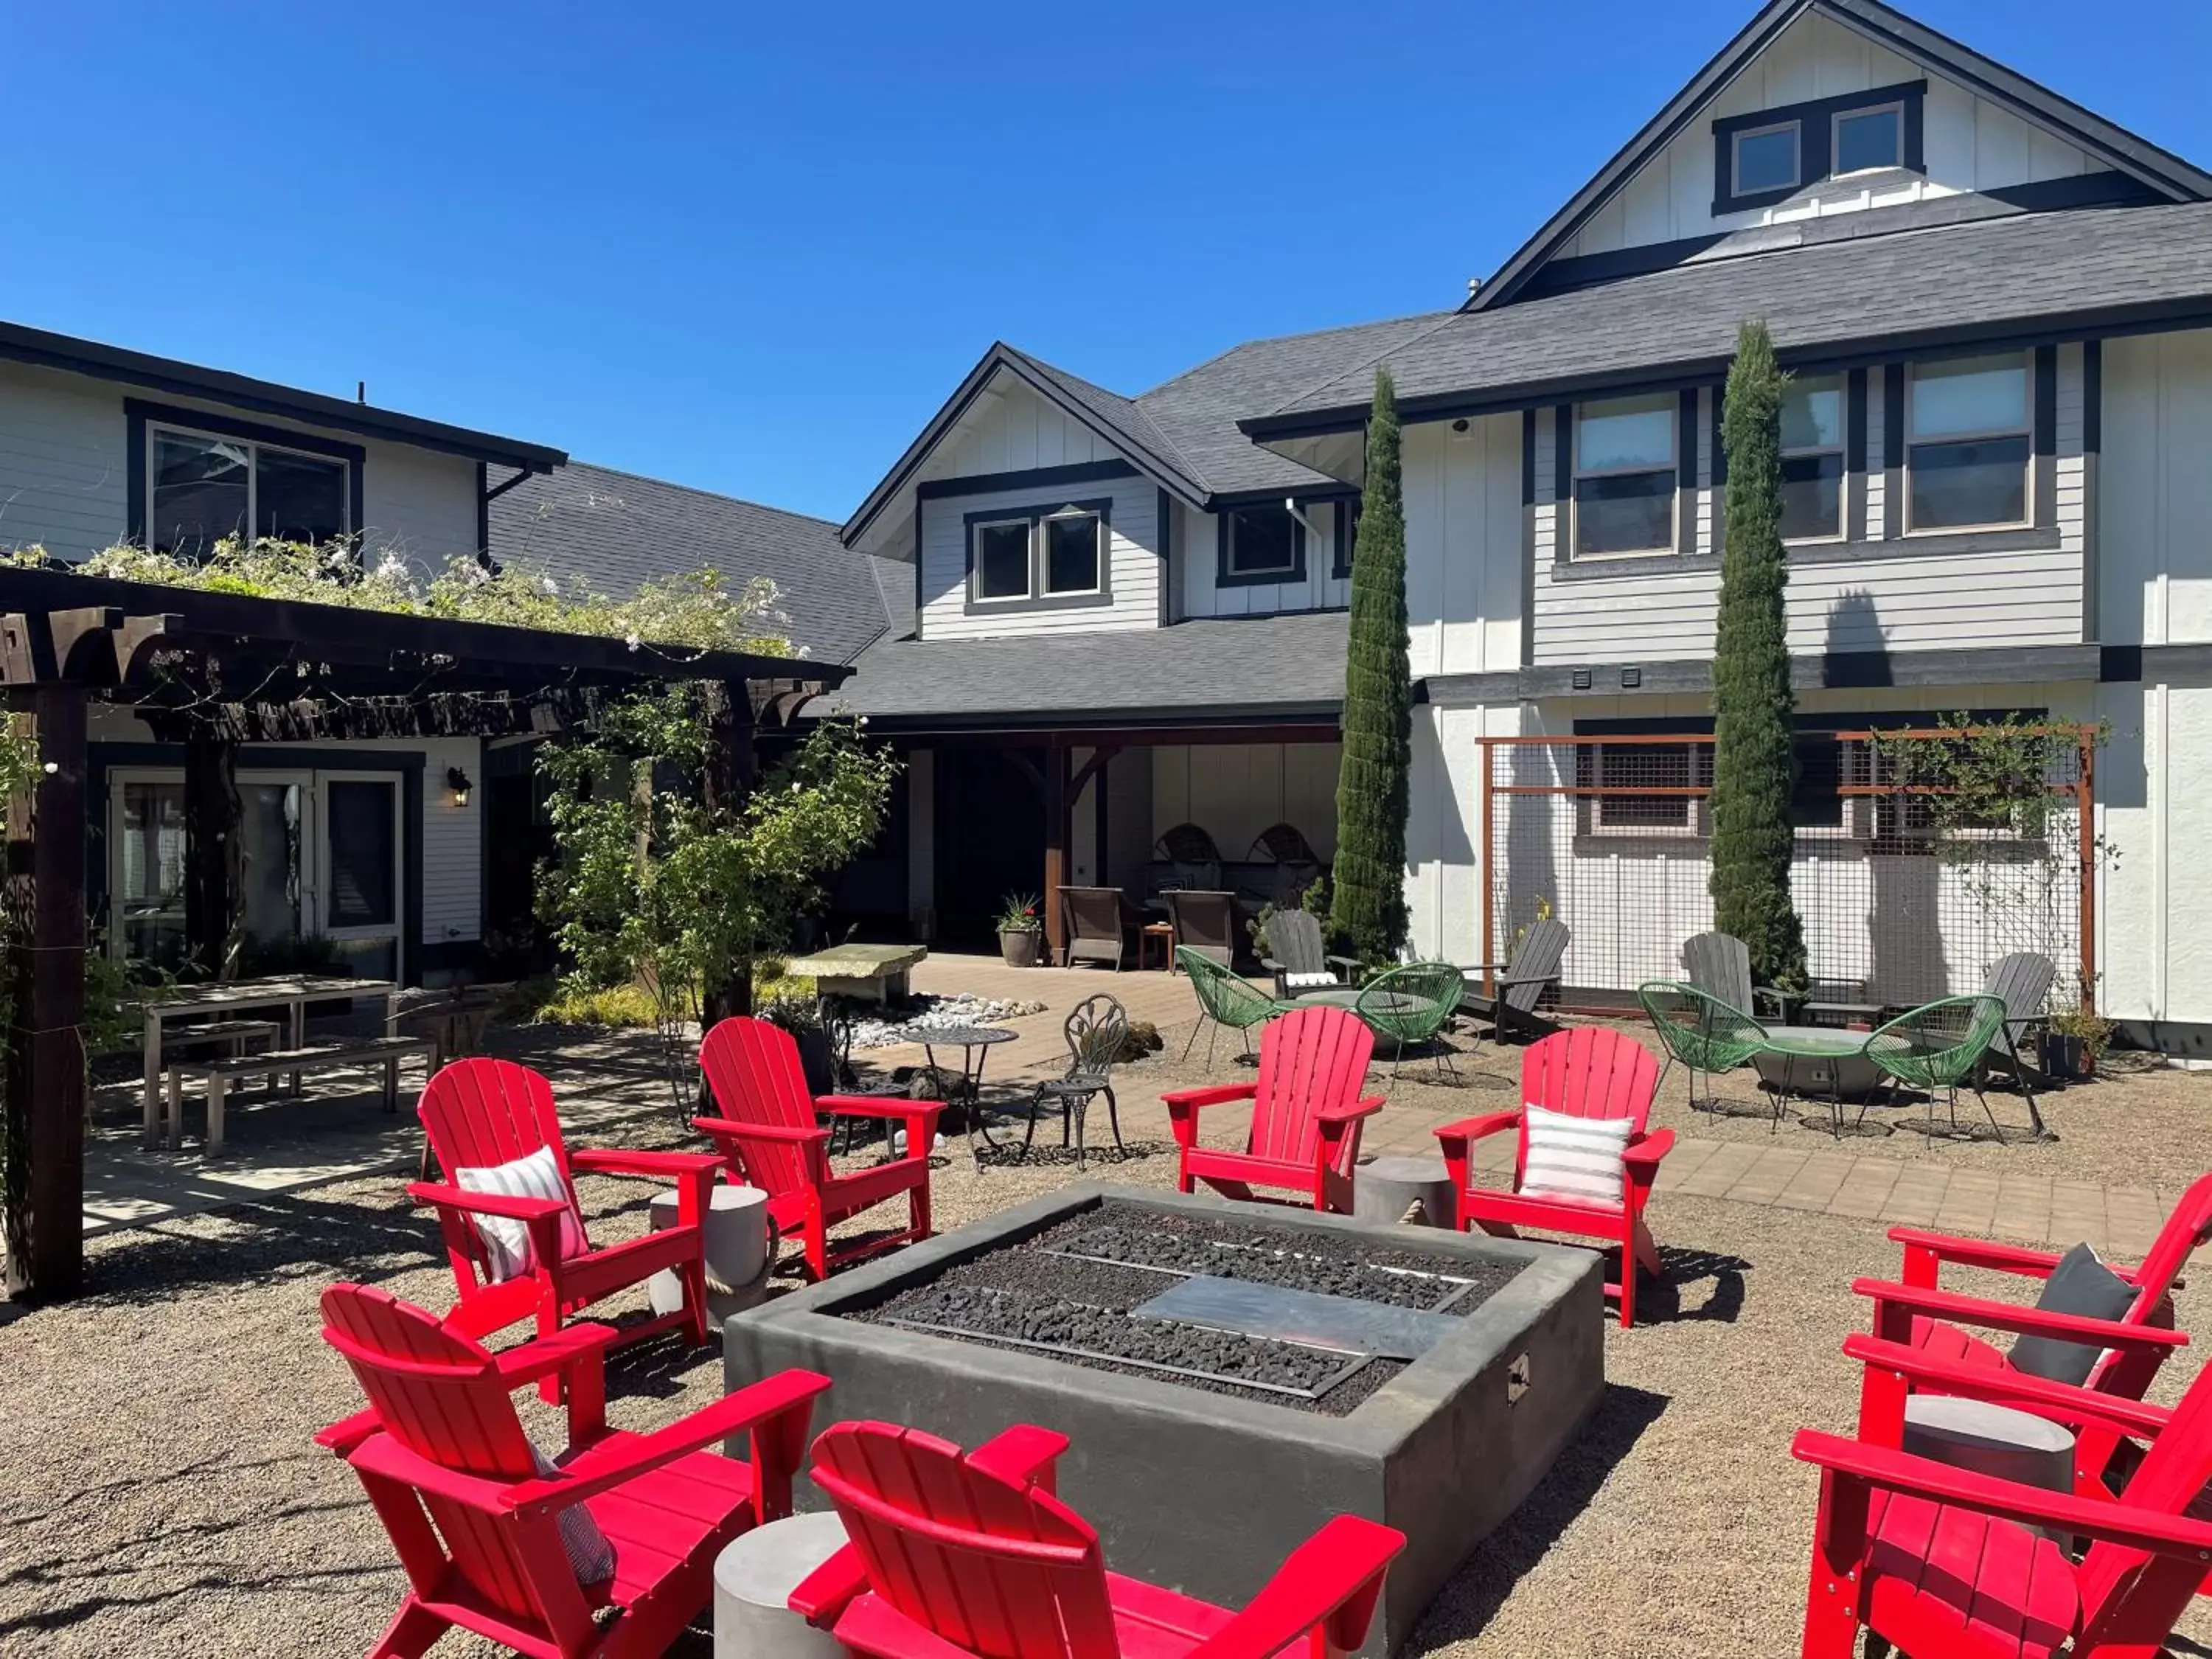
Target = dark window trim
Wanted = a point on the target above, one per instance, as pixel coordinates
(1038, 599)
(1347, 512)
(138, 414)
(1854, 455)
(2018, 540)
(2041, 501)
(1223, 534)
(1566, 485)
(1036, 477)
(1815, 124)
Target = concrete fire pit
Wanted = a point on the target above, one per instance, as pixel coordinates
(1205, 1359)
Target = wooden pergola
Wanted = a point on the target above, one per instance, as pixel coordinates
(213, 672)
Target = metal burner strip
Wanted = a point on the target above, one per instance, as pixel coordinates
(1460, 1286)
(1335, 1379)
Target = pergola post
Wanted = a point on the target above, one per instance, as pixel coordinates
(44, 1196)
(215, 855)
(1056, 837)
(729, 778)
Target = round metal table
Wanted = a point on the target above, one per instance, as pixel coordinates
(1817, 1062)
(965, 1089)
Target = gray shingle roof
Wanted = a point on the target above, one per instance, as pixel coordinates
(1874, 291)
(1260, 666)
(617, 529)
(1199, 410)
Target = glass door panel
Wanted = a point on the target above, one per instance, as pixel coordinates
(274, 866)
(147, 868)
(360, 872)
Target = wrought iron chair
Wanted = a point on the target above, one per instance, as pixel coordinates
(1940, 1046)
(1409, 1005)
(1700, 1030)
(1227, 1000)
(1096, 1031)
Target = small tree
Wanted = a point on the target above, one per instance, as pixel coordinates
(1368, 907)
(658, 883)
(1754, 758)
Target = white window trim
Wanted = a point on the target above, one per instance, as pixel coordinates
(1835, 137)
(975, 594)
(1042, 554)
(1840, 450)
(2027, 472)
(1797, 180)
(1287, 570)
(1672, 470)
(156, 430)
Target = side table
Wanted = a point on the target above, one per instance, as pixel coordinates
(754, 1577)
(740, 1252)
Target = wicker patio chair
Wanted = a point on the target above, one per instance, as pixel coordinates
(1408, 1005)
(1096, 1031)
(1205, 923)
(1939, 1047)
(1298, 957)
(1704, 1032)
(1227, 1000)
(1096, 925)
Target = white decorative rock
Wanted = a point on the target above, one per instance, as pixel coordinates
(754, 1577)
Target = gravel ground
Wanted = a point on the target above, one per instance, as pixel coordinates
(162, 1494)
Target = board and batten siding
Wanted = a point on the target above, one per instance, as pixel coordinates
(1011, 429)
(1464, 544)
(1233, 791)
(2155, 490)
(1968, 145)
(1197, 557)
(1883, 597)
(1133, 561)
(64, 472)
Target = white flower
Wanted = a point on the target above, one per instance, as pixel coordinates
(632, 640)
(551, 586)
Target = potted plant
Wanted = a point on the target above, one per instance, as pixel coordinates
(1021, 933)
(2076, 1037)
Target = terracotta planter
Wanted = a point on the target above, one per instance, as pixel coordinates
(1021, 948)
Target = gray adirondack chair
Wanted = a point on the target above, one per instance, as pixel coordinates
(2023, 981)
(1719, 965)
(1299, 959)
(1204, 922)
(1509, 1006)
(1096, 925)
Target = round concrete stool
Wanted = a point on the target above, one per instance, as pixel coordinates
(1387, 1188)
(1992, 1440)
(736, 1248)
(754, 1579)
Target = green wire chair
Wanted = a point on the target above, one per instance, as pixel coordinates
(1227, 1000)
(1940, 1045)
(1697, 1028)
(1409, 1004)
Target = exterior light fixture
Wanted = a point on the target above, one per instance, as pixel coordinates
(457, 781)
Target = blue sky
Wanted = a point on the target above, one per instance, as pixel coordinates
(752, 247)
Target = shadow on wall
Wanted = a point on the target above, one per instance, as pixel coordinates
(1906, 957)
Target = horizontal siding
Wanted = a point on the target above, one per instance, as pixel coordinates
(62, 462)
(1132, 558)
(419, 503)
(1969, 145)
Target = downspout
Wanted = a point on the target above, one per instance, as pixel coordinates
(1291, 506)
(486, 497)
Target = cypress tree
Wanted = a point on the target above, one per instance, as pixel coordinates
(1754, 762)
(1368, 908)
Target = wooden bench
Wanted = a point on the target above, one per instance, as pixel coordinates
(369, 1051)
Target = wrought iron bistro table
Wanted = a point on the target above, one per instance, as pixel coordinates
(974, 1042)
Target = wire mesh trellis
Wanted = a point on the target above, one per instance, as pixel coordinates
(1901, 904)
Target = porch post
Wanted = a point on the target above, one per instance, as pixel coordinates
(1055, 846)
(215, 855)
(44, 1172)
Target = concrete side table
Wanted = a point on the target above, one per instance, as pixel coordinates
(1387, 1188)
(754, 1579)
(737, 1247)
(1993, 1440)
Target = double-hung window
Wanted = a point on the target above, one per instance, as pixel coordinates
(1054, 555)
(1967, 452)
(1812, 459)
(1624, 475)
(201, 487)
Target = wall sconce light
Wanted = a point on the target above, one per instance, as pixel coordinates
(457, 781)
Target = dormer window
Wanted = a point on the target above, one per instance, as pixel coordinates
(1766, 156)
(1767, 159)
(1039, 558)
(1866, 139)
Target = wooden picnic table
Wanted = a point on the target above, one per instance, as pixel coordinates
(290, 992)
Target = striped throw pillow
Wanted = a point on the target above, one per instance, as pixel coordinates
(1575, 1158)
(1308, 982)
(507, 1253)
(591, 1556)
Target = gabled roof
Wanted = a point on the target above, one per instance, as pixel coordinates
(617, 530)
(2165, 175)
(107, 362)
(1110, 415)
(1995, 280)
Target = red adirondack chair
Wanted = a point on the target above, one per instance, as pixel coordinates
(970, 1553)
(1591, 1072)
(482, 1112)
(457, 1484)
(1935, 1559)
(1306, 1113)
(1929, 1319)
(769, 1137)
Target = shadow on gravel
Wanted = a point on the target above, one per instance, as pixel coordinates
(279, 1237)
(1473, 1594)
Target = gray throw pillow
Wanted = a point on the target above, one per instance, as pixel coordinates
(2084, 1286)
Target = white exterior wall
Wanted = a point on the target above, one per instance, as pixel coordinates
(1133, 562)
(1197, 562)
(1464, 544)
(65, 450)
(1234, 791)
(1968, 145)
(1446, 862)
(1888, 599)
(1011, 429)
